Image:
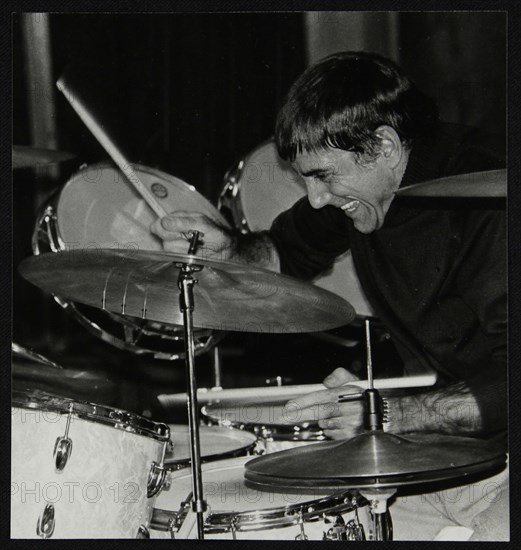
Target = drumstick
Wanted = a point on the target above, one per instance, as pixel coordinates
(284, 393)
(115, 154)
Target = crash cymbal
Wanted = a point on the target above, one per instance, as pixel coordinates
(25, 354)
(488, 184)
(32, 157)
(228, 296)
(33, 370)
(375, 459)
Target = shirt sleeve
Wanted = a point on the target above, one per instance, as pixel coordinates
(308, 240)
(483, 285)
(483, 279)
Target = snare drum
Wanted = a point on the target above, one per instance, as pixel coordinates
(217, 443)
(81, 470)
(237, 511)
(277, 426)
(97, 208)
(258, 189)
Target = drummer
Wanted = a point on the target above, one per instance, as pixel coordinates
(356, 129)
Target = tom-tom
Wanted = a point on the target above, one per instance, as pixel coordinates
(276, 425)
(98, 208)
(217, 443)
(236, 511)
(258, 189)
(81, 470)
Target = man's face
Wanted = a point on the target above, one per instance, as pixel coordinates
(363, 192)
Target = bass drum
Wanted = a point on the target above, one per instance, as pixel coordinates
(97, 208)
(257, 190)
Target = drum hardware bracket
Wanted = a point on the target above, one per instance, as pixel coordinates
(233, 527)
(167, 520)
(338, 531)
(300, 521)
(142, 532)
(63, 445)
(349, 397)
(373, 418)
(156, 479)
(46, 522)
(382, 524)
(157, 474)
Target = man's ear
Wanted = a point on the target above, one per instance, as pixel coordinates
(391, 147)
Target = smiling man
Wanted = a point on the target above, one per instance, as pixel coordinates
(356, 129)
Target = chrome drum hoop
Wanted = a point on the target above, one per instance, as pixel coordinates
(217, 443)
(39, 400)
(229, 202)
(292, 514)
(305, 431)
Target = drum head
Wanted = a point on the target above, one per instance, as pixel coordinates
(268, 186)
(274, 420)
(217, 442)
(100, 209)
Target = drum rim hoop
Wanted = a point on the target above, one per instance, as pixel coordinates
(101, 414)
(303, 431)
(274, 517)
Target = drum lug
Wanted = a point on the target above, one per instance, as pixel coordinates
(142, 532)
(46, 522)
(63, 446)
(157, 474)
(302, 535)
(233, 528)
(156, 479)
(62, 452)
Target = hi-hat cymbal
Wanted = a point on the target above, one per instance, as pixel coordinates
(32, 157)
(375, 459)
(488, 184)
(228, 296)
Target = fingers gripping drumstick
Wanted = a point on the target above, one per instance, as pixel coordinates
(115, 154)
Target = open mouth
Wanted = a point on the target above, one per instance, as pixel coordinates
(350, 206)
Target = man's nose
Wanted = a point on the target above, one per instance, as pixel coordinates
(318, 195)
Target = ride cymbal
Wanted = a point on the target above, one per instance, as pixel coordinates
(487, 184)
(228, 296)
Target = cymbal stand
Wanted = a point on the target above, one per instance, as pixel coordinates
(373, 421)
(186, 283)
(217, 369)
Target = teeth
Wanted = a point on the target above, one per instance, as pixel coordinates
(350, 206)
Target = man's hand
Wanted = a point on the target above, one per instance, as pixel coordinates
(337, 420)
(217, 242)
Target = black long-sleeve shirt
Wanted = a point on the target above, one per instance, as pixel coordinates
(435, 272)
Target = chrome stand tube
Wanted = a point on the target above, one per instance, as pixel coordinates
(186, 302)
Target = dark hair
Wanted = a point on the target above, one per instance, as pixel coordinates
(341, 101)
